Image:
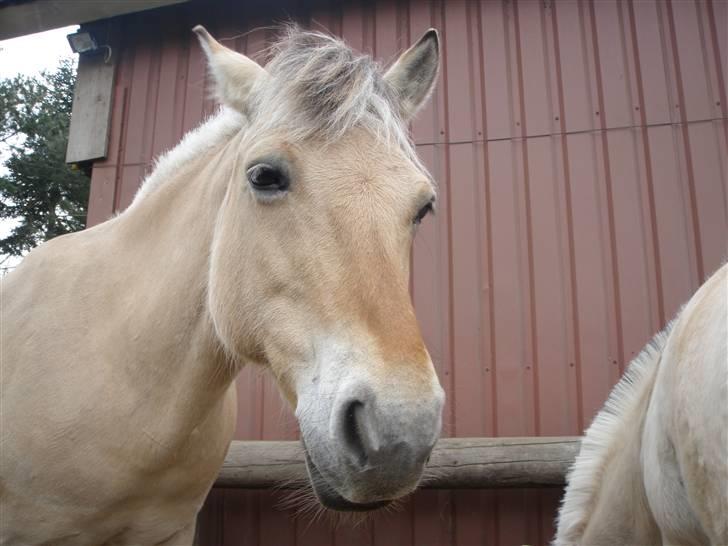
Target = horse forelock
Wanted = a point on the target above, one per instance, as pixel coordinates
(318, 86)
(584, 477)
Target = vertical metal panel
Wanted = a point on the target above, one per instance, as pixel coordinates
(580, 149)
(646, 31)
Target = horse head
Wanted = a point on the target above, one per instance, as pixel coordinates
(309, 267)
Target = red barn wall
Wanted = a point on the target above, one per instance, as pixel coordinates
(580, 149)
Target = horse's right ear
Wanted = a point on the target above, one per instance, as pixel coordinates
(234, 73)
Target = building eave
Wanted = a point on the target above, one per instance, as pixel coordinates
(31, 16)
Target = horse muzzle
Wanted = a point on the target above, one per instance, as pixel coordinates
(373, 449)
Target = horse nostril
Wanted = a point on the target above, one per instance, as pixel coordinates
(353, 431)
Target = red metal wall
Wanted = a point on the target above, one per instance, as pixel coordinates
(581, 153)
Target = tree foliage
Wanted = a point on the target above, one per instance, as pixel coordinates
(45, 196)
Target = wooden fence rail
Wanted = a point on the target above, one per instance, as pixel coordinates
(456, 463)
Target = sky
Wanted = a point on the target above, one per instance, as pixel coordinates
(29, 55)
(32, 53)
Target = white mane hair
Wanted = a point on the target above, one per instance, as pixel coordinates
(584, 477)
(212, 132)
(317, 87)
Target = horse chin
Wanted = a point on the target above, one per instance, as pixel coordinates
(330, 498)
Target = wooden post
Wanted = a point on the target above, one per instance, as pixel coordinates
(456, 463)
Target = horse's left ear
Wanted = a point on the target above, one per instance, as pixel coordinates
(234, 73)
(414, 74)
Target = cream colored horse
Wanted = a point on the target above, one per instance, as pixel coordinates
(277, 233)
(653, 467)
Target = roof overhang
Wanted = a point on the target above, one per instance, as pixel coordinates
(20, 17)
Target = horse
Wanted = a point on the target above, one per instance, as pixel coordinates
(277, 234)
(653, 465)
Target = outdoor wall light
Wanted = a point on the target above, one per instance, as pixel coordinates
(82, 42)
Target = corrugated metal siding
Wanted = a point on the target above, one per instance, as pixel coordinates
(581, 151)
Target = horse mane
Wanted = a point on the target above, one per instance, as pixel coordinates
(317, 87)
(584, 476)
(206, 137)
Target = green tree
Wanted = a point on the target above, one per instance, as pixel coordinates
(45, 196)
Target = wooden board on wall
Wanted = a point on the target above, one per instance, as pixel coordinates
(91, 115)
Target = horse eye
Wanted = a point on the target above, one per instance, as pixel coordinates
(424, 211)
(268, 178)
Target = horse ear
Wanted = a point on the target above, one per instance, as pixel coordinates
(234, 73)
(413, 75)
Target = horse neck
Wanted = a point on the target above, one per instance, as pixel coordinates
(621, 514)
(161, 245)
(605, 501)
